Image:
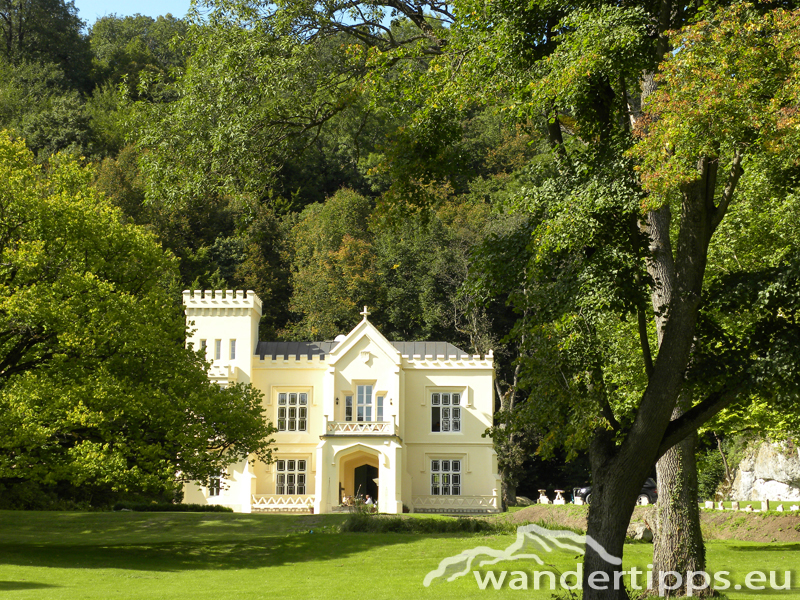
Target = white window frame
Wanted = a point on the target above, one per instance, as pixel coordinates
(447, 411)
(291, 476)
(293, 411)
(217, 349)
(366, 405)
(446, 476)
(215, 486)
(233, 349)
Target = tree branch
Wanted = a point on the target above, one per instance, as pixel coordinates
(696, 416)
(727, 194)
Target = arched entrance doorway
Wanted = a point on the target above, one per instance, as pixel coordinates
(364, 478)
(358, 473)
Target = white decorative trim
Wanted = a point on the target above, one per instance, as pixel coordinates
(360, 428)
(280, 502)
(454, 504)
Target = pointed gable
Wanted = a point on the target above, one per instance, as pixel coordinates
(365, 329)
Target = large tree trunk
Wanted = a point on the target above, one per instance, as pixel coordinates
(678, 543)
(618, 472)
(509, 492)
(615, 485)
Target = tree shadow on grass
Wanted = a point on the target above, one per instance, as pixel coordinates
(9, 586)
(766, 547)
(180, 556)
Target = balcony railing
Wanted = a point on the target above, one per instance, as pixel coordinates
(360, 428)
(282, 503)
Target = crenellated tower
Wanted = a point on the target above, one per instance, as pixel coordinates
(226, 323)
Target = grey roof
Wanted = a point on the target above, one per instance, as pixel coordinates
(428, 349)
(298, 349)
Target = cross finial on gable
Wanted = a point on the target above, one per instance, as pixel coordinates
(365, 312)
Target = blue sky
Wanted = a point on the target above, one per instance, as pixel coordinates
(91, 10)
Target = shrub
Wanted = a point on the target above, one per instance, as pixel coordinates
(365, 523)
(144, 507)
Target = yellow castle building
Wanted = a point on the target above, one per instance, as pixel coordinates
(356, 416)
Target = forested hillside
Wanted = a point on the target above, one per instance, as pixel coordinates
(605, 194)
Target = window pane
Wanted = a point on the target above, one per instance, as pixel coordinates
(456, 412)
(281, 465)
(303, 398)
(292, 425)
(435, 399)
(445, 413)
(434, 465)
(456, 398)
(290, 465)
(348, 401)
(445, 425)
(281, 425)
(445, 399)
(456, 479)
(292, 412)
(445, 465)
(292, 398)
(281, 398)
(281, 413)
(456, 425)
(436, 424)
(348, 414)
(301, 425)
(301, 465)
(455, 466)
(233, 349)
(456, 490)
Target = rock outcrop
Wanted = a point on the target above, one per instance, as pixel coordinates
(768, 472)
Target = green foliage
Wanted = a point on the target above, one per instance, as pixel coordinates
(333, 273)
(710, 474)
(36, 102)
(282, 90)
(46, 31)
(123, 47)
(97, 387)
(732, 88)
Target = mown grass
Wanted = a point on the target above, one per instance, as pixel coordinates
(143, 556)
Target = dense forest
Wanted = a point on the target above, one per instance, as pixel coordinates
(606, 195)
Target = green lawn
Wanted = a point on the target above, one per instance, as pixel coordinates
(146, 556)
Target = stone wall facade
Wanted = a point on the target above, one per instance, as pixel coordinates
(768, 471)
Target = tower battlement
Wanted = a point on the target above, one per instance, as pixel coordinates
(203, 299)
